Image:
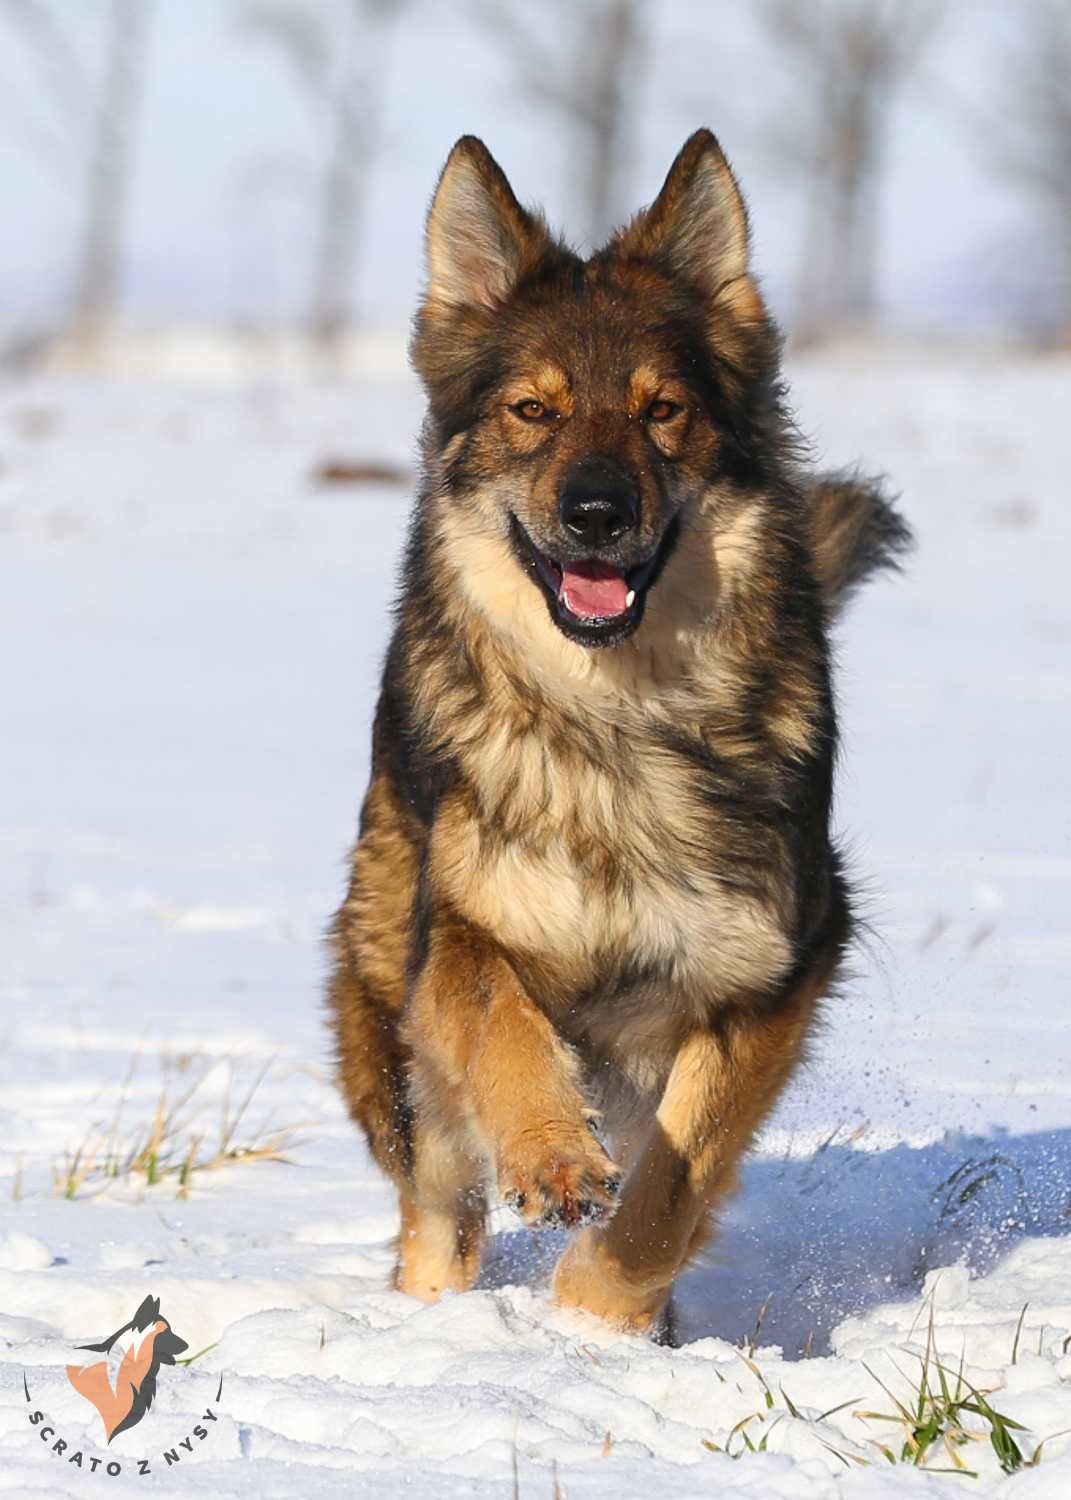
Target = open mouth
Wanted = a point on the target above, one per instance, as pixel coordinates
(593, 602)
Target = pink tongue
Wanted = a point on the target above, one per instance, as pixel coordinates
(593, 590)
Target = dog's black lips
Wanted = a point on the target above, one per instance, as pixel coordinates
(548, 575)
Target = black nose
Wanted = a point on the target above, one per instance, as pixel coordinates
(599, 502)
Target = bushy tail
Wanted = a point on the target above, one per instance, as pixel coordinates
(856, 530)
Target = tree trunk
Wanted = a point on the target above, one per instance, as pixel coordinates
(859, 165)
(608, 47)
(353, 128)
(837, 280)
(97, 291)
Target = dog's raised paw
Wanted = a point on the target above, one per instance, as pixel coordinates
(559, 1185)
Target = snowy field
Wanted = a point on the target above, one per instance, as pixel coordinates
(192, 629)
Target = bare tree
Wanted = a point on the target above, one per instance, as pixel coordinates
(337, 55)
(1028, 139)
(850, 57)
(97, 292)
(71, 107)
(580, 62)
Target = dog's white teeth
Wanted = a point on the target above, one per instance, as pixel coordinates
(630, 598)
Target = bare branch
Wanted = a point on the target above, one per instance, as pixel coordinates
(848, 59)
(1032, 132)
(581, 77)
(60, 67)
(532, 59)
(113, 132)
(337, 55)
(300, 35)
(41, 142)
(1027, 141)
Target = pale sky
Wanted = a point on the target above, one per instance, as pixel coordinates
(220, 207)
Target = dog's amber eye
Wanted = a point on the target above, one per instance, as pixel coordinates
(662, 411)
(531, 410)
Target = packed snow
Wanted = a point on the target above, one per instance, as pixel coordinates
(193, 626)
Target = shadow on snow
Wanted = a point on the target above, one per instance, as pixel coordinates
(840, 1231)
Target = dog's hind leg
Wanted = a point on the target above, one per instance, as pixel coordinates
(724, 1080)
(369, 941)
(371, 1069)
(442, 1218)
(419, 1143)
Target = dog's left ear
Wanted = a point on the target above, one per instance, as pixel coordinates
(479, 238)
(698, 224)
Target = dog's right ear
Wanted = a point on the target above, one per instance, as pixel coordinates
(147, 1313)
(698, 224)
(479, 239)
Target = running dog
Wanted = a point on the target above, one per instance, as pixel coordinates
(594, 903)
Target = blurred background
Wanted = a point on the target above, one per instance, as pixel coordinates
(211, 247)
(241, 181)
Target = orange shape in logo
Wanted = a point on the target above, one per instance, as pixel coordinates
(147, 1342)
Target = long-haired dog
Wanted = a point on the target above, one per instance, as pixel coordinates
(140, 1347)
(594, 902)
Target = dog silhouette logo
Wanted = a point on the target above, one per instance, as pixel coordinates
(122, 1385)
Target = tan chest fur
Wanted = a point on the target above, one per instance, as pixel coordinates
(595, 869)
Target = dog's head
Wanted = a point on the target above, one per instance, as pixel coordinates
(164, 1343)
(137, 1350)
(581, 410)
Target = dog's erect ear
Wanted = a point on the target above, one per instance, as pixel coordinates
(698, 224)
(479, 238)
(147, 1313)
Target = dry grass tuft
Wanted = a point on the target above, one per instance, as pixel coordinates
(173, 1145)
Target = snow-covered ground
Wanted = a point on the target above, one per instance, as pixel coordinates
(191, 635)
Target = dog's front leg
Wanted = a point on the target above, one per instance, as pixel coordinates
(723, 1082)
(475, 1030)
